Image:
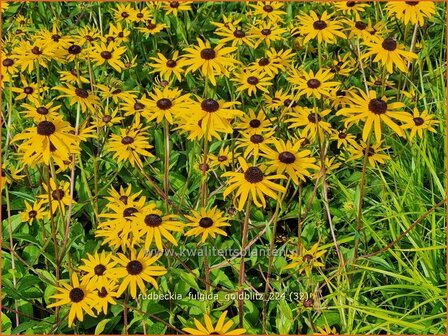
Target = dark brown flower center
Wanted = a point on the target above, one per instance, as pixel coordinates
(171, 63)
(88, 38)
(254, 123)
(342, 135)
(32, 213)
(341, 93)
(76, 295)
(350, 3)
(57, 194)
(370, 151)
(106, 54)
(319, 25)
(308, 303)
(313, 83)
(287, 157)
(360, 25)
(150, 25)
(124, 199)
(389, 44)
(314, 117)
(107, 118)
(74, 49)
(74, 72)
(164, 104)
(127, 140)
(205, 222)
(42, 110)
(252, 80)
(174, 4)
(116, 91)
(102, 293)
(129, 212)
(99, 269)
(268, 8)
(307, 258)
(239, 33)
(134, 267)
(139, 15)
(208, 53)
(138, 106)
(7, 62)
(56, 37)
(263, 61)
(256, 138)
(204, 167)
(121, 34)
(412, 3)
(377, 106)
(210, 105)
(289, 103)
(124, 15)
(36, 51)
(222, 158)
(253, 175)
(266, 32)
(153, 220)
(28, 90)
(418, 121)
(46, 128)
(82, 93)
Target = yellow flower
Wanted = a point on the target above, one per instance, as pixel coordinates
(321, 26)
(174, 7)
(97, 269)
(220, 328)
(313, 84)
(206, 223)
(307, 260)
(109, 54)
(373, 153)
(252, 123)
(87, 100)
(78, 295)
(223, 159)
(414, 12)
(268, 10)
(419, 122)
(104, 296)
(57, 195)
(33, 212)
(253, 143)
(168, 67)
(41, 112)
(252, 82)
(267, 32)
(312, 119)
(252, 181)
(151, 28)
(349, 7)
(136, 270)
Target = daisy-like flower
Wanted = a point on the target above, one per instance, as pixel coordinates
(87, 100)
(322, 27)
(253, 143)
(234, 33)
(287, 157)
(252, 181)
(359, 29)
(57, 196)
(374, 111)
(168, 67)
(115, 92)
(86, 36)
(109, 54)
(330, 167)
(252, 82)
(97, 269)
(136, 270)
(343, 138)
(72, 77)
(123, 12)
(107, 118)
(47, 137)
(166, 104)
(252, 123)
(31, 53)
(350, 7)
(419, 122)
(118, 34)
(274, 62)
(121, 197)
(206, 223)
(327, 330)
(223, 159)
(54, 37)
(374, 153)
(105, 296)
(33, 212)
(140, 15)
(10, 174)
(267, 32)
(29, 90)
(151, 27)
(313, 84)
(343, 65)
(78, 295)
(129, 145)
(212, 62)
(221, 327)
(280, 100)
(305, 260)
(174, 7)
(153, 226)
(312, 121)
(268, 10)
(41, 112)
(134, 108)
(389, 53)
(411, 11)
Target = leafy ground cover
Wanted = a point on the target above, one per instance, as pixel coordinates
(223, 167)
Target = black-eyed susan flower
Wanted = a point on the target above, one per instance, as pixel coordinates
(168, 67)
(280, 100)
(343, 138)
(129, 145)
(115, 92)
(212, 62)
(29, 90)
(252, 123)
(41, 112)
(57, 195)
(233, 33)
(374, 153)
(419, 122)
(153, 226)
(323, 27)
(79, 296)
(119, 33)
(122, 197)
(107, 118)
(312, 121)
(268, 10)
(108, 53)
(195, 131)
(389, 53)
(73, 76)
(31, 53)
(33, 212)
(134, 108)
(123, 12)
(267, 33)
(151, 27)
(223, 159)
(97, 268)
(86, 99)
(350, 7)
(9, 174)
(174, 7)
(307, 260)
(253, 143)
(415, 12)
(206, 222)
(221, 327)
(137, 269)
(166, 104)
(252, 82)
(252, 181)
(105, 296)
(374, 112)
(313, 84)
(86, 36)
(290, 159)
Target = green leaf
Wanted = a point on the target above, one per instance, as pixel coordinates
(100, 326)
